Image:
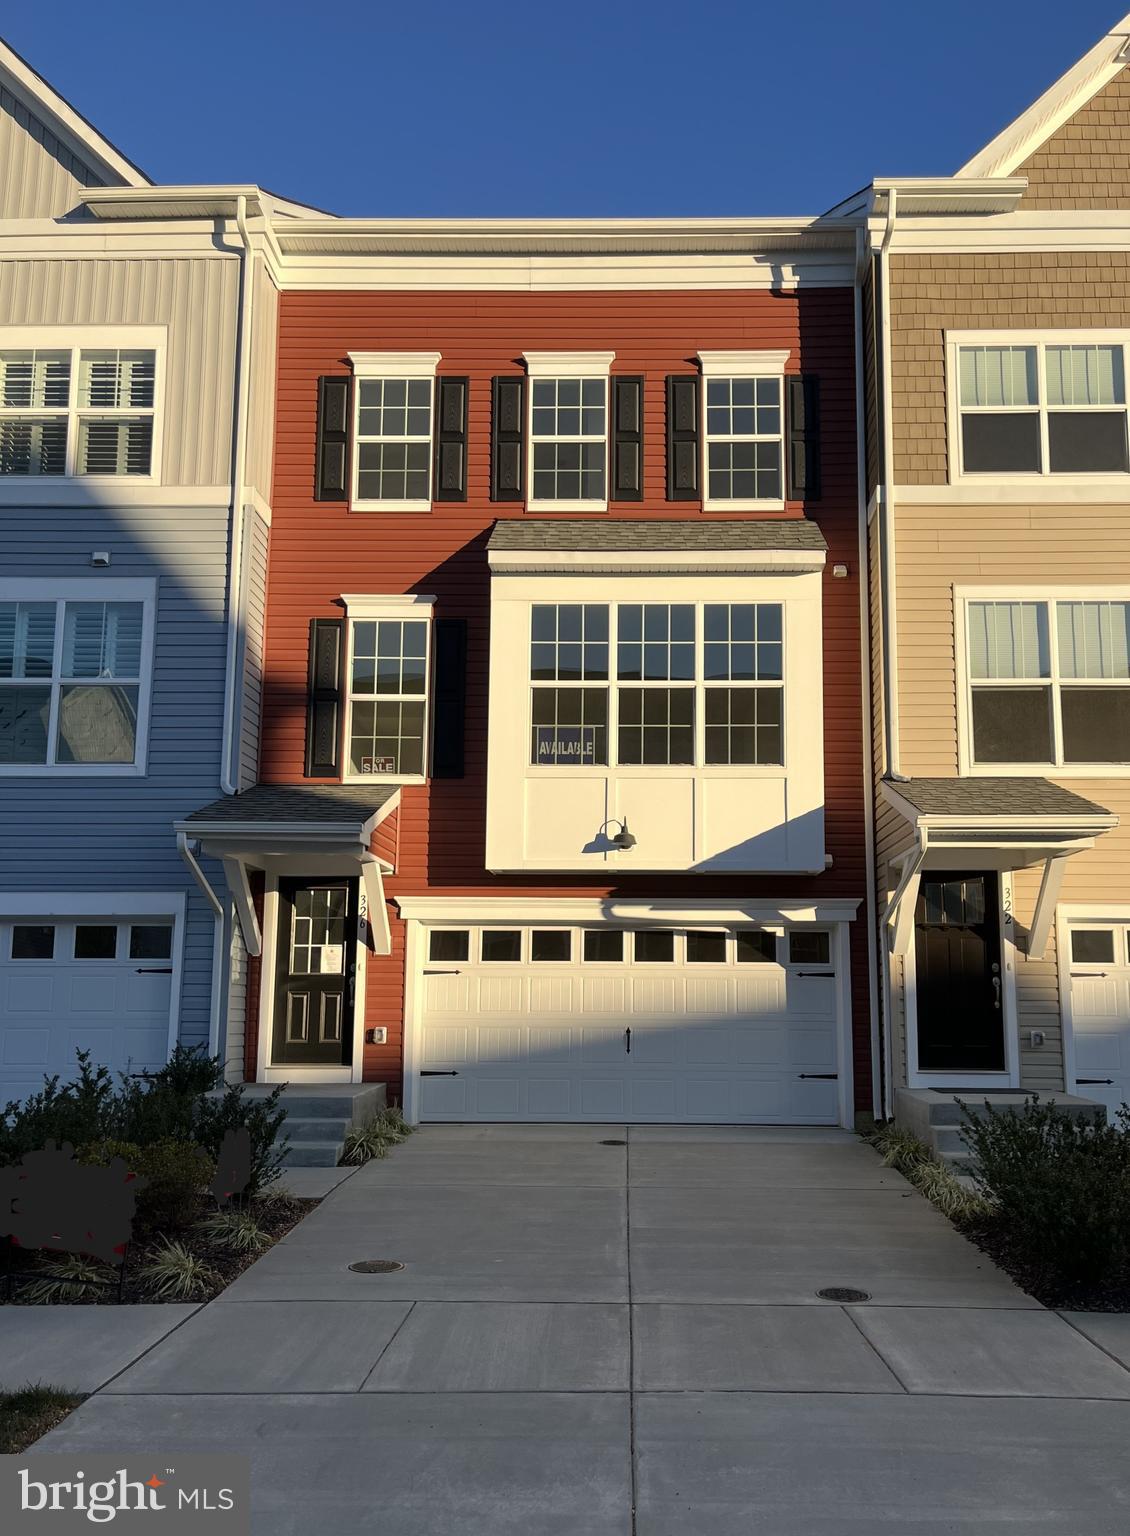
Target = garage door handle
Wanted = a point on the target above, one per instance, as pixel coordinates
(628, 1041)
(428, 972)
(828, 975)
(154, 970)
(825, 1077)
(1087, 975)
(440, 1074)
(1107, 1080)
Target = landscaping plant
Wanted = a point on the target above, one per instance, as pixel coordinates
(935, 1180)
(176, 1176)
(387, 1128)
(173, 1273)
(68, 1277)
(234, 1232)
(1060, 1187)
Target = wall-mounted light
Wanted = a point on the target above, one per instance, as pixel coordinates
(623, 839)
(840, 572)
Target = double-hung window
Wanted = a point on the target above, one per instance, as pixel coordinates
(74, 676)
(568, 429)
(389, 677)
(1048, 682)
(85, 411)
(1054, 406)
(394, 408)
(689, 684)
(744, 437)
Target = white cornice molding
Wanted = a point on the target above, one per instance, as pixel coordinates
(661, 562)
(759, 364)
(1026, 133)
(568, 365)
(400, 365)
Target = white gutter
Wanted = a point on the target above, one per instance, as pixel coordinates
(871, 900)
(228, 772)
(887, 608)
(214, 902)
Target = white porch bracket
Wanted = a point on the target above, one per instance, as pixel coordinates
(899, 915)
(1044, 912)
(372, 883)
(235, 873)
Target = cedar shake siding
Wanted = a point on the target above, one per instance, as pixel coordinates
(1086, 162)
(320, 549)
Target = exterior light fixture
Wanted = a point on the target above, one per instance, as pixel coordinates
(623, 839)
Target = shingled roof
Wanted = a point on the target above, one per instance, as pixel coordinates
(344, 804)
(659, 533)
(992, 797)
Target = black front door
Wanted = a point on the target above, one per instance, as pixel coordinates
(958, 961)
(317, 962)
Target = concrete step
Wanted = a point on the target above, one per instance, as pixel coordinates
(313, 1129)
(919, 1109)
(948, 1138)
(354, 1107)
(313, 1154)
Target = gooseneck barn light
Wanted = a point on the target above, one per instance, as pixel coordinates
(623, 839)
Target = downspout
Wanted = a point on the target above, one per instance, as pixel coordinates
(228, 772)
(214, 902)
(887, 510)
(871, 901)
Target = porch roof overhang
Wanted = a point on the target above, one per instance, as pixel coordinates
(997, 824)
(578, 546)
(308, 829)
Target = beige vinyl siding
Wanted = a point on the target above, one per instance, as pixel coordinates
(263, 365)
(893, 836)
(255, 539)
(196, 299)
(1086, 162)
(1019, 290)
(237, 1003)
(40, 176)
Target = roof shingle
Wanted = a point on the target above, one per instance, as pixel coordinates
(992, 797)
(657, 533)
(346, 804)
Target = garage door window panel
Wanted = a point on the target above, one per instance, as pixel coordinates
(501, 946)
(753, 946)
(1092, 946)
(706, 947)
(96, 941)
(553, 945)
(810, 947)
(654, 946)
(603, 946)
(150, 941)
(449, 944)
(33, 941)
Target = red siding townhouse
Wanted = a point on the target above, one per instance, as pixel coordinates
(562, 812)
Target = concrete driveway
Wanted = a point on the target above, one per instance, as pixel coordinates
(610, 1332)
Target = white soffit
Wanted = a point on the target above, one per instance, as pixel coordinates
(1073, 90)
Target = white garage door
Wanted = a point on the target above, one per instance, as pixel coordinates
(1099, 959)
(607, 1024)
(96, 985)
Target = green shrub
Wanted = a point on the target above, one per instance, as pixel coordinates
(263, 1120)
(172, 1273)
(1060, 1185)
(73, 1112)
(176, 1174)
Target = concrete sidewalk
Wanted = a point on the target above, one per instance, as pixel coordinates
(589, 1339)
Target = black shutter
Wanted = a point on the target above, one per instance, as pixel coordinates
(450, 688)
(507, 438)
(803, 436)
(451, 439)
(627, 439)
(331, 469)
(682, 437)
(323, 703)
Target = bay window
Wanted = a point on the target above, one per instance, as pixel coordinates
(1043, 406)
(1048, 681)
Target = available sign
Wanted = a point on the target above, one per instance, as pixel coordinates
(565, 744)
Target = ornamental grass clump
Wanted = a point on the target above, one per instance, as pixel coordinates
(1059, 1184)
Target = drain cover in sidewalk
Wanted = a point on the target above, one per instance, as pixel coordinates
(843, 1293)
(376, 1266)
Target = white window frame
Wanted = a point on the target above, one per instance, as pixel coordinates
(741, 365)
(391, 365)
(1041, 340)
(399, 610)
(91, 589)
(968, 767)
(76, 340)
(567, 365)
(699, 686)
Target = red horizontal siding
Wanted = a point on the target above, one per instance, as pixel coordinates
(319, 550)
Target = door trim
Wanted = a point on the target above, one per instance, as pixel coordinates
(265, 1072)
(1010, 1077)
(529, 913)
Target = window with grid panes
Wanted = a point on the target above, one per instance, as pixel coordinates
(569, 678)
(568, 439)
(394, 439)
(70, 676)
(77, 411)
(655, 646)
(743, 439)
(388, 685)
(743, 673)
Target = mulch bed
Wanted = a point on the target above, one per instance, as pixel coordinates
(1045, 1287)
(274, 1217)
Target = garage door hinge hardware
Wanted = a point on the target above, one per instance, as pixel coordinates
(451, 1073)
(825, 1077)
(1094, 1079)
(154, 970)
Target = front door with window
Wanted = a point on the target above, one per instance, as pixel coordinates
(314, 982)
(959, 990)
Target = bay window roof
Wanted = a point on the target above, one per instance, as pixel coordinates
(656, 533)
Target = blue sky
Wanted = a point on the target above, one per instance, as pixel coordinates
(493, 107)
